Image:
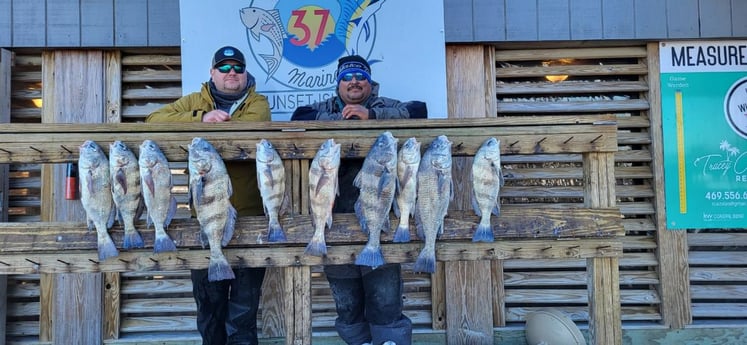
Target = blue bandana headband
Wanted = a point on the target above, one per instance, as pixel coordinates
(353, 70)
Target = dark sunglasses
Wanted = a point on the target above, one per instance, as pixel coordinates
(357, 75)
(227, 68)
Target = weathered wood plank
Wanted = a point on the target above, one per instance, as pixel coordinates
(569, 53)
(4, 310)
(78, 312)
(469, 303)
(513, 223)
(572, 106)
(672, 253)
(273, 300)
(573, 70)
(111, 305)
(143, 260)
(570, 87)
(717, 239)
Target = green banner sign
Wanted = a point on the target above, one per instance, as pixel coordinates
(704, 120)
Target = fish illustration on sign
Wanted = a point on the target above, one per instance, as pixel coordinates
(260, 22)
(352, 26)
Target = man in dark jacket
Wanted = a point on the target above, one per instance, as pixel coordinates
(368, 300)
(227, 309)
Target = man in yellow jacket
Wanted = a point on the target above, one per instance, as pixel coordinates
(227, 309)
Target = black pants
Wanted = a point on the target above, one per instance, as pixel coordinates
(369, 304)
(227, 309)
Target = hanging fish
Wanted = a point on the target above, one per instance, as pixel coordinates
(487, 180)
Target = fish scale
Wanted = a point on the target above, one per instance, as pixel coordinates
(377, 181)
(209, 192)
(156, 184)
(96, 196)
(126, 191)
(435, 191)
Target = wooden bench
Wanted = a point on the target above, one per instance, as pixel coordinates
(464, 303)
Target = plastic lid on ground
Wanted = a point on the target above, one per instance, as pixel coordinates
(552, 327)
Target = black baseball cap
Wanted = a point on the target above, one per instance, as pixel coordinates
(228, 53)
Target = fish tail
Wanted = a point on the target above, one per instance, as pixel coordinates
(164, 244)
(107, 249)
(132, 239)
(316, 247)
(370, 256)
(426, 262)
(483, 233)
(275, 232)
(402, 234)
(219, 269)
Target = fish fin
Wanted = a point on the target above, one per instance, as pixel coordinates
(475, 205)
(121, 179)
(229, 187)
(501, 178)
(140, 208)
(370, 256)
(164, 244)
(132, 239)
(316, 248)
(275, 232)
(219, 269)
(440, 229)
(107, 249)
(402, 234)
(361, 216)
(426, 262)
(387, 224)
(451, 189)
(228, 229)
(285, 206)
(384, 181)
(204, 240)
(483, 234)
(148, 220)
(148, 181)
(170, 214)
(395, 208)
(497, 208)
(357, 180)
(91, 225)
(112, 215)
(271, 61)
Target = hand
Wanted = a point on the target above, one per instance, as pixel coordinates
(354, 112)
(216, 116)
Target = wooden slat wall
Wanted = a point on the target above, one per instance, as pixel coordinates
(599, 80)
(5, 64)
(156, 23)
(469, 21)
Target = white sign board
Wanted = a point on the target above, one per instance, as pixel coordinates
(292, 47)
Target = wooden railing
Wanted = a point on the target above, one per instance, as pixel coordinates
(591, 229)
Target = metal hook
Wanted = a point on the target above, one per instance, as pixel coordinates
(152, 259)
(6, 151)
(541, 140)
(513, 143)
(66, 149)
(94, 261)
(125, 261)
(64, 262)
(595, 139)
(183, 149)
(4, 263)
(569, 139)
(35, 149)
(32, 261)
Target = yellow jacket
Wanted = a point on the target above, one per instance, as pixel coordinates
(190, 108)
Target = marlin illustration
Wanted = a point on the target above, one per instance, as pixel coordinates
(352, 26)
(261, 22)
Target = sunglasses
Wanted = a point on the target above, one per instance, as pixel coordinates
(357, 75)
(227, 68)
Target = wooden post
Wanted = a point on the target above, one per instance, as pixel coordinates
(73, 93)
(469, 313)
(5, 65)
(605, 325)
(671, 249)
